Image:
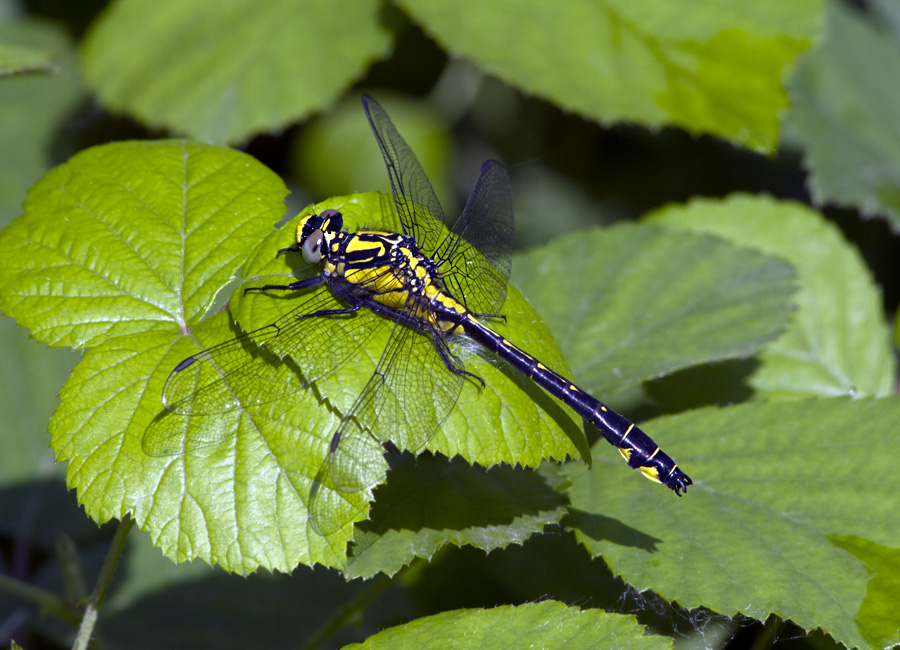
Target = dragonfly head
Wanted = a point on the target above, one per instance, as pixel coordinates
(314, 232)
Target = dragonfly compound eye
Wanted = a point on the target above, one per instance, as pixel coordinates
(312, 247)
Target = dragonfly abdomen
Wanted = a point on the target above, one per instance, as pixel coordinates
(638, 449)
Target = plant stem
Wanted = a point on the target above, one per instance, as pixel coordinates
(347, 613)
(106, 573)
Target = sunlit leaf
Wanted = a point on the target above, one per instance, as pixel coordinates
(708, 68)
(539, 625)
(838, 343)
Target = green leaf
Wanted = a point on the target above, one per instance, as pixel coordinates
(247, 494)
(224, 75)
(535, 625)
(30, 377)
(635, 302)
(844, 106)
(838, 343)
(430, 503)
(133, 237)
(239, 503)
(878, 619)
(18, 59)
(32, 108)
(707, 68)
(774, 484)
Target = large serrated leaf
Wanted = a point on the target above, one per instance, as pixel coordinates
(223, 73)
(838, 343)
(430, 503)
(163, 226)
(708, 68)
(238, 491)
(776, 487)
(535, 625)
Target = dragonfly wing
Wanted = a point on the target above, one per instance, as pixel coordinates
(417, 205)
(475, 258)
(421, 390)
(239, 372)
(354, 462)
(223, 377)
(408, 397)
(317, 337)
(257, 368)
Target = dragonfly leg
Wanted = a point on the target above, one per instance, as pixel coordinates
(306, 283)
(453, 364)
(331, 312)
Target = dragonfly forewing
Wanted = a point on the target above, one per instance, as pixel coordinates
(417, 205)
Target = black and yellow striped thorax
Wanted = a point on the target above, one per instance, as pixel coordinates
(386, 267)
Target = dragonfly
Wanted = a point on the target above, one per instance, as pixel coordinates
(427, 284)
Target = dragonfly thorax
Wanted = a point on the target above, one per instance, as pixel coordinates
(386, 266)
